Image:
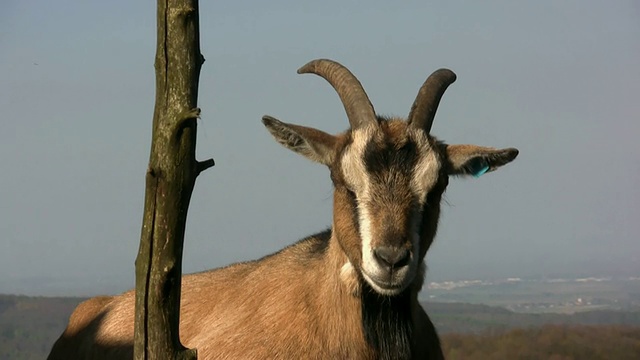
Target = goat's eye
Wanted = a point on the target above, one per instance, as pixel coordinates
(351, 193)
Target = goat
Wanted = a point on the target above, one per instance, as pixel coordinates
(350, 292)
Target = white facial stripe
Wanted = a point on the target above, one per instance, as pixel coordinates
(353, 166)
(425, 173)
(364, 218)
(355, 173)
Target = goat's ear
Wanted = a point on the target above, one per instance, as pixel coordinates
(476, 160)
(313, 144)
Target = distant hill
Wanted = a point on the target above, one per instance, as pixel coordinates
(30, 325)
(473, 318)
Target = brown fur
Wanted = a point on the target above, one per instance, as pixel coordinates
(291, 305)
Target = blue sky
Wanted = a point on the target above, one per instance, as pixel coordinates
(558, 80)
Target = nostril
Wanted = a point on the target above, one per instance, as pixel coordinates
(391, 257)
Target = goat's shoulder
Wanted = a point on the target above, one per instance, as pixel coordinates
(310, 248)
(261, 303)
(86, 312)
(83, 322)
(243, 277)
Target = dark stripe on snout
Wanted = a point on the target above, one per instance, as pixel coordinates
(389, 156)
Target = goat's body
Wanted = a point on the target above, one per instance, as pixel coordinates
(251, 311)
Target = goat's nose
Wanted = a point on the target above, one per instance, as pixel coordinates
(391, 257)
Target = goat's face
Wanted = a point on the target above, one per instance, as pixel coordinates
(389, 176)
(383, 177)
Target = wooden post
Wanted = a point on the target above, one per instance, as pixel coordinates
(170, 180)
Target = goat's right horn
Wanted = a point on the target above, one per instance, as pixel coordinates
(354, 99)
(424, 107)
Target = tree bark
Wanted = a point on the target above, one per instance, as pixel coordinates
(170, 180)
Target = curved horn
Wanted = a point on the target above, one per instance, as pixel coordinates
(424, 107)
(356, 103)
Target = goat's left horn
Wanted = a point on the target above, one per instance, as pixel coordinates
(354, 99)
(424, 107)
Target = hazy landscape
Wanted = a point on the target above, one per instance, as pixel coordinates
(500, 318)
(543, 295)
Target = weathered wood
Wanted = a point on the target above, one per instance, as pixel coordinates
(170, 180)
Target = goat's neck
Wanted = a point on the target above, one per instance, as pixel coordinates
(382, 323)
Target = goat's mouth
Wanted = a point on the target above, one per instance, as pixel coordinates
(389, 284)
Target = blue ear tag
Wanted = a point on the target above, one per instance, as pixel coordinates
(481, 171)
(478, 168)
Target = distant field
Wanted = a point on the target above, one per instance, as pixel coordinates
(544, 296)
(554, 342)
(30, 325)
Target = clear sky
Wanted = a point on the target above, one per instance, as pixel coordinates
(560, 80)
